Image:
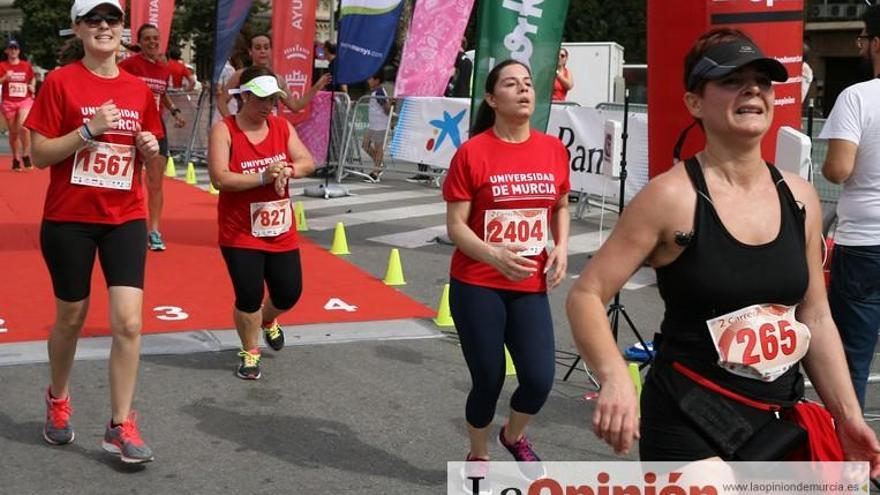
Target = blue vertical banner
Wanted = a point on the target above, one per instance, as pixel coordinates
(231, 15)
(366, 31)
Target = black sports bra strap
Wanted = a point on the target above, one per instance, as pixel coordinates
(782, 188)
(695, 172)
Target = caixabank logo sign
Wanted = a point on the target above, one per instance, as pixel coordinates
(446, 127)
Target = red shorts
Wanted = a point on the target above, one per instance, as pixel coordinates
(11, 108)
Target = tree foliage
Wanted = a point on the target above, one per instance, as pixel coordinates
(622, 21)
(39, 30)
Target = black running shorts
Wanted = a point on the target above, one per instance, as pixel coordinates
(69, 250)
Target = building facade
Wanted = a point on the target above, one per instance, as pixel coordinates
(10, 18)
(830, 34)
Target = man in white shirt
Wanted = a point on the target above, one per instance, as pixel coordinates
(853, 133)
(378, 114)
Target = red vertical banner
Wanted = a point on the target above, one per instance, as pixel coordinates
(156, 12)
(776, 26)
(293, 39)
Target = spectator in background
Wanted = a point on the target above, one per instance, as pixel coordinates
(564, 80)
(374, 138)
(181, 76)
(853, 159)
(330, 53)
(232, 104)
(806, 75)
(260, 52)
(460, 83)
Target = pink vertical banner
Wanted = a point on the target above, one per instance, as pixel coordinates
(432, 43)
(155, 12)
(314, 131)
(293, 42)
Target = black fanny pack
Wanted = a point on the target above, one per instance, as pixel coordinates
(742, 429)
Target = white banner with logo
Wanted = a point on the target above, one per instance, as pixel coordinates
(582, 132)
(430, 131)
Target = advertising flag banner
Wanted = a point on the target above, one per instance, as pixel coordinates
(314, 131)
(231, 15)
(293, 39)
(432, 43)
(156, 12)
(529, 31)
(366, 30)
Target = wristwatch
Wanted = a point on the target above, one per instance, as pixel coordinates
(175, 111)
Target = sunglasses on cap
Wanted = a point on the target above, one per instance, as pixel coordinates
(94, 19)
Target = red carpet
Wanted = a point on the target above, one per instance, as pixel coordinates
(190, 275)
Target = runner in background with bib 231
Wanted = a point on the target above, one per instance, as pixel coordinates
(507, 193)
(251, 157)
(94, 126)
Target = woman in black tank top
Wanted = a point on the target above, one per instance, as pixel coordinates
(736, 247)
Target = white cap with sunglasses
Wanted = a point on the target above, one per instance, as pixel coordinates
(261, 87)
(83, 7)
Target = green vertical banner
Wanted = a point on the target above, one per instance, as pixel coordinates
(529, 31)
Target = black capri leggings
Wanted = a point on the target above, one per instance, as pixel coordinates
(248, 268)
(69, 251)
(486, 319)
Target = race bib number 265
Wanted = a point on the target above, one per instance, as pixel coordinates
(762, 341)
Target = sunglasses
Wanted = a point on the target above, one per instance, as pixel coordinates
(94, 19)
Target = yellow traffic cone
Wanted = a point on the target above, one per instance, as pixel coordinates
(444, 316)
(212, 189)
(299, 213)
(394, 273)
(170, 171)
(190, 174)
(509, 368)
(636, 376)
(340, 244)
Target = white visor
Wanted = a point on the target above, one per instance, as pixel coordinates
(262, 87)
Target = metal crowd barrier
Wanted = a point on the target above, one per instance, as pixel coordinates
(355, 160)
(190, 143)
(196, 129)
(338, 126)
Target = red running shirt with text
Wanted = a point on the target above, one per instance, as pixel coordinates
(234, 207)
(157, 75)
(68, 98)
(17, 88)
(496, 175)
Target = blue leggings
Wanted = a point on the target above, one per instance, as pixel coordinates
(486, 319)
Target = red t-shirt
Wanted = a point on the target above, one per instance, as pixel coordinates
(238, 213)
(68, 98)
(500, 178)
(16, 88)
(559, 91)
(179, 73)
(155, 74)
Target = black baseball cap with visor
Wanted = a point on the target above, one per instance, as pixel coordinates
(722, 60)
